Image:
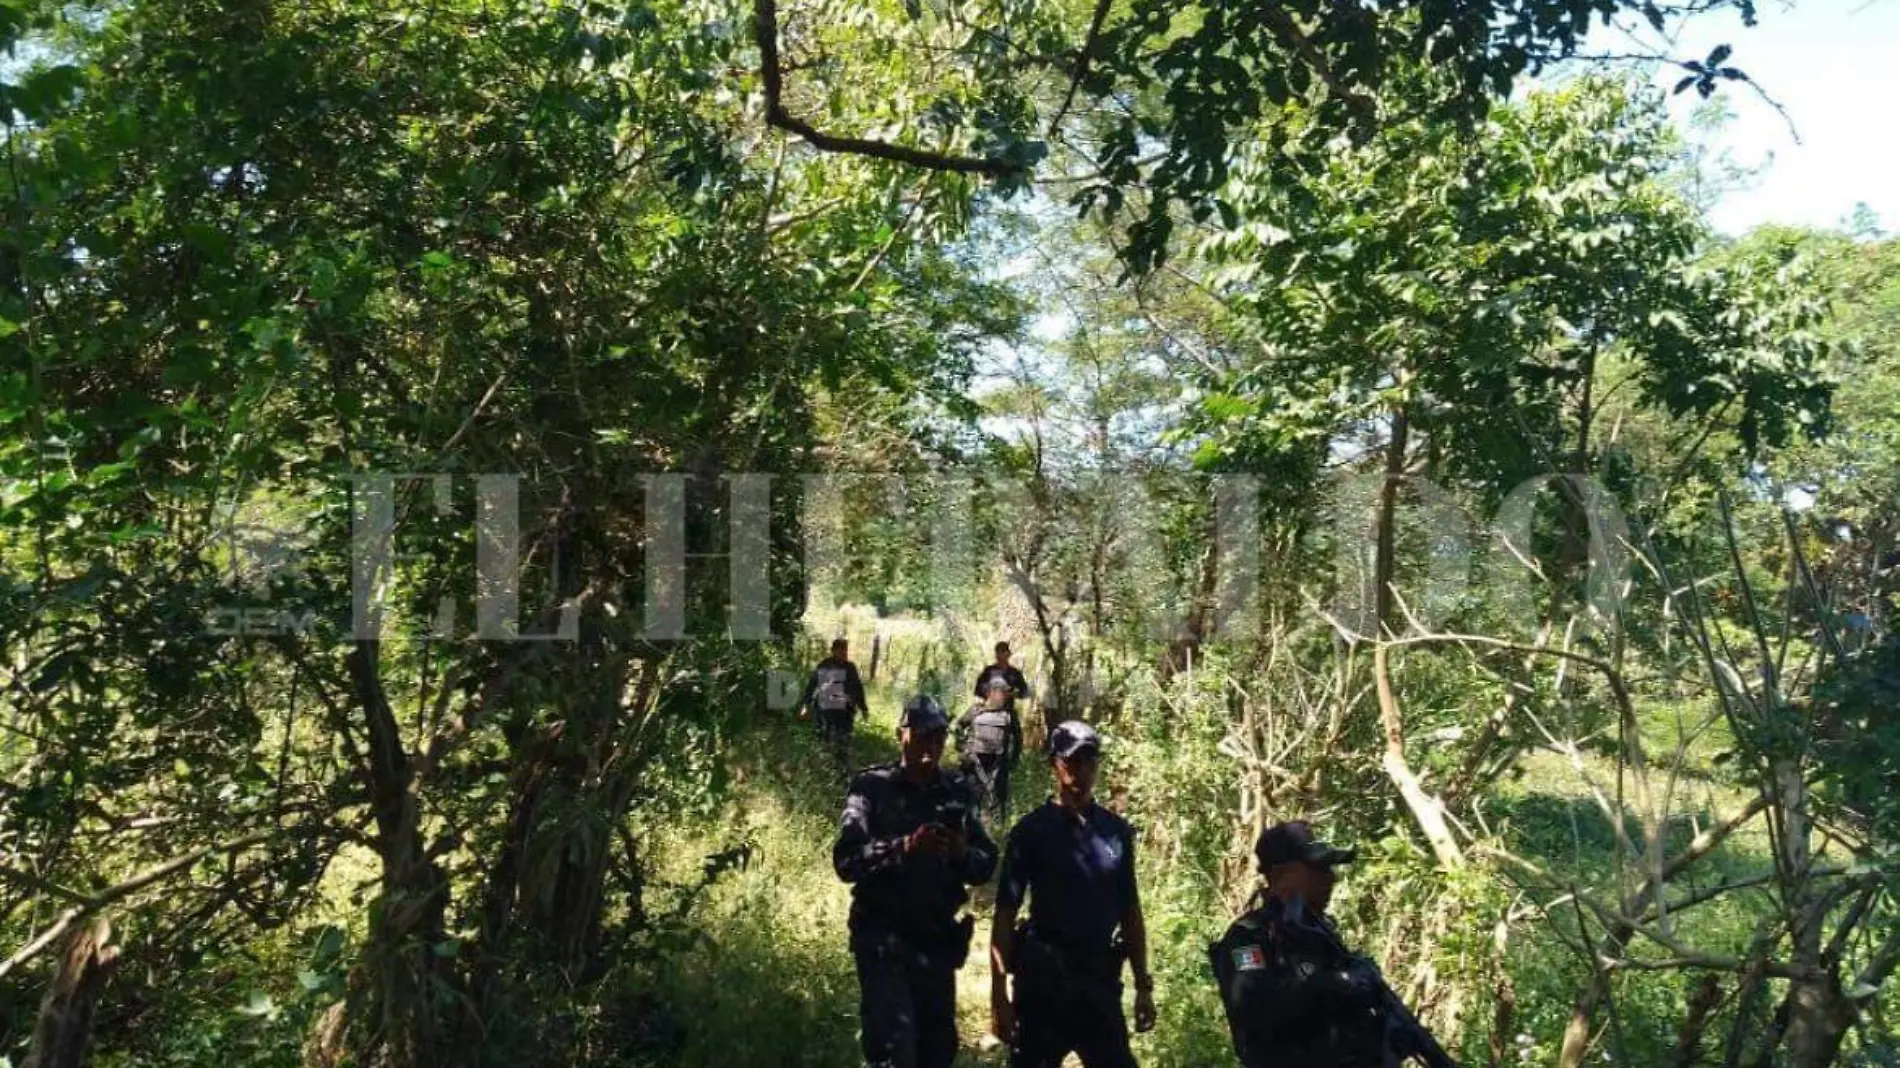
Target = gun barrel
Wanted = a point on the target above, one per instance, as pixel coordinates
(1418, 1042)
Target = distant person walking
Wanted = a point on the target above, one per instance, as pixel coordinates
(909, 842)
(835, 697)
(1074, 862)
(1002, 669)
(991, 740)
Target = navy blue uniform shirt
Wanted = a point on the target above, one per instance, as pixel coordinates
(1018, 686)
(889, 888)
(834, 687)
(1077, 872)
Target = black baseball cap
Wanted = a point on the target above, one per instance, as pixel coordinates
(1071, 737)
(1286, 843)
(923, 714)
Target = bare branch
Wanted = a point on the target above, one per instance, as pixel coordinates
(1082, 60)
(1883, 962)
(131, 886)
(1684, 957)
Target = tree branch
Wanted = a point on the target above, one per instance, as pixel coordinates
(1684, 956)
(765, 29)
(1082, 61)
(98, 901)
(1291, 37)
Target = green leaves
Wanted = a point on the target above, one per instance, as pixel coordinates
(44, 92)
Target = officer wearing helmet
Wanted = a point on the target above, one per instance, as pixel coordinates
(910, 840)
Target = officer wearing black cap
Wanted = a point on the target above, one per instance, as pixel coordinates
(1011, 675)
(909, 842)
(1295, 997)
(1075, 863)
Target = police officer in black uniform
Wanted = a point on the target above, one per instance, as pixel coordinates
(910, 840)
(1002, 669)
(1295, 997)
(991, 738)
(1075, 863)
(835, 696)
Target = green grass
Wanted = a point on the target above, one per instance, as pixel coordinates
(765, 978)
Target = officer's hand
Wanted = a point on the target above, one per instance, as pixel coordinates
(1144, 1009)
(928, 838)
(1002, 1018)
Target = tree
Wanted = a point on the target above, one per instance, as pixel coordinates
(510, 242)
(1158, 96)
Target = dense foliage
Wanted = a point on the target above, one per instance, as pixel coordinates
(405, 537)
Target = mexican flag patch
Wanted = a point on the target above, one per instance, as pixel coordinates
(1249, 959)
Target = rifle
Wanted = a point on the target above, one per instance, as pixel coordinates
(1405, 1036)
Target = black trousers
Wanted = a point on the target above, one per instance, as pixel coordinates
(1054, 1021)
(991, 772)
(834, 729)
(907, 1002)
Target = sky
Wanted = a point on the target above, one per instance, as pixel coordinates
(1834, 65)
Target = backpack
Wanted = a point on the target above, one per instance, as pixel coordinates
(990, 732)
(831, 696)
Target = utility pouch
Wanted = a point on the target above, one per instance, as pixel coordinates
(941, 941)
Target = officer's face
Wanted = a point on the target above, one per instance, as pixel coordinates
(1314, 882)
(1323, 879)
(1077, 773)
(923, 750)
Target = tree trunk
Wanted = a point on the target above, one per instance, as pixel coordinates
(1501, 1020)
(1818, 1011)
(1576, 1041)
(1689, 1037)
(498, 903)
(63, 1031)
(1426, 810)
(594, 774)
(406, 921)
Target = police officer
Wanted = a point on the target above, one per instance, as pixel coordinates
(1002, 669)
(991, 739)
(1295, 997)
(835, 695)
(1075, 863)
(909, 841)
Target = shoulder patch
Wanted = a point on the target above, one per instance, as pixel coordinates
(1249, 958)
